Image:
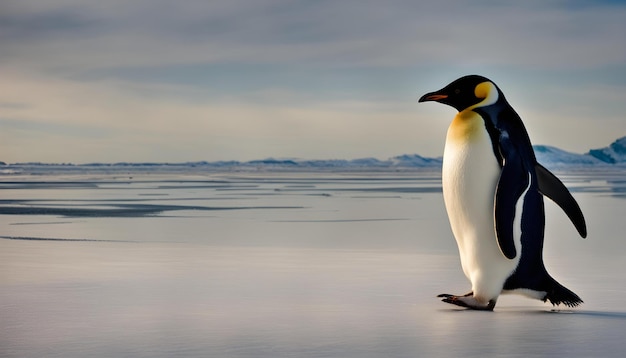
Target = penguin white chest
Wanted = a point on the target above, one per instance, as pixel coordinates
(469, 178)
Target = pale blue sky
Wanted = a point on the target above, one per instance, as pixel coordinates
(86, 81)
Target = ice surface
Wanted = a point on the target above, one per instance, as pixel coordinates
(284, 265)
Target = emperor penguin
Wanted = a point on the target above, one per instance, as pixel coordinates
(493, 192)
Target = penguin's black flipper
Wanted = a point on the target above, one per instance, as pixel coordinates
(511, 185)
(553, 188)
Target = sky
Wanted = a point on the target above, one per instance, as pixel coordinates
(174, 81)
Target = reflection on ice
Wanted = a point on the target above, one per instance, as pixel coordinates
(115, 210)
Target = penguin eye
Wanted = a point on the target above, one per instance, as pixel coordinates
(457, 91)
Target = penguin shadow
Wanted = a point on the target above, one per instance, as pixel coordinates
(544, 312)
(588, 313)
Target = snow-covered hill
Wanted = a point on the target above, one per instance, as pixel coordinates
(614, 153)
(555, 157)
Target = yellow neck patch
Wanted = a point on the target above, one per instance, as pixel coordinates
(488, 92)
(466, 126)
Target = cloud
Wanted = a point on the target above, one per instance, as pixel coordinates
(85, 36)
(246, 79)
(122, 121)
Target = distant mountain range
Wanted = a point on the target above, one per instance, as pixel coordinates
(552, 157)
(614, 154)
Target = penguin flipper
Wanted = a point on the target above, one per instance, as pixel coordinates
(553, 188)
(512, 183)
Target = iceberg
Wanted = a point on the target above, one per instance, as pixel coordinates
(555, 157)
(615, 153)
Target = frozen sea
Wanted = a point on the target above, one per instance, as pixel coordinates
(253, 264)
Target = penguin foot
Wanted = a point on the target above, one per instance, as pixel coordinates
(468, 301)
(447, 295)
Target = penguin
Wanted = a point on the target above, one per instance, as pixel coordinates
(493, 189)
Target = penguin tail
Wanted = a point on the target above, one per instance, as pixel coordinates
(558, 294)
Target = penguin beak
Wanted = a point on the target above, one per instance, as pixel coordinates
(433, 96)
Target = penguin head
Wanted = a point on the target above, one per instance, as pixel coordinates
(465, 92)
